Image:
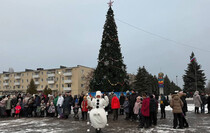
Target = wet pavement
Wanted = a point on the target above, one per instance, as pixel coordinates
(199, 123)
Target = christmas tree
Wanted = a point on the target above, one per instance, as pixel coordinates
(194, 78)
(110, 73)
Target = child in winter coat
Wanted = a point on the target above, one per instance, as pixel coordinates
(76, 110)
(137, 106)
(17, 110)
(51, 110)
(84, 107)
(43, 107)
(126, 108)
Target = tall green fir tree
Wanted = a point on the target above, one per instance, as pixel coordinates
(167, 85)
(170, 86)
(32, 89)
(194, 78)
(110, 73)
(143, 81)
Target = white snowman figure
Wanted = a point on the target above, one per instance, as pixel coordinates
(98, 116)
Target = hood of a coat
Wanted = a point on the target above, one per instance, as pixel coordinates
(175, 97)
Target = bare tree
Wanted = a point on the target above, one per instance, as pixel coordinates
(87, 79)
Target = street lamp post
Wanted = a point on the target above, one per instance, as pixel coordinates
(59, 81)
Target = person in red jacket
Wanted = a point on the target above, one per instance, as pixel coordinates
(145, 111)
(115, 106)
(84, 106)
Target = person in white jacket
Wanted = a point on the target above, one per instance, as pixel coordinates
(98, 116)
(59, 105)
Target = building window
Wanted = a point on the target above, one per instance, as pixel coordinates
(23, 74)
(82, 71)
(62, 85)
(13, 87)
(22, 87)
(82, 85)
(42, 73)
(69, 78)
(22, 80)
(69, 85)
(57, 86)
(42, 80)
(27, 80)
(62, 78)
(41, 86)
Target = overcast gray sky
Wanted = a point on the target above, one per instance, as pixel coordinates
(50, 33)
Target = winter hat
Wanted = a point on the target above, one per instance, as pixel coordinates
(196, 92)
(138, 98)
(98, 93)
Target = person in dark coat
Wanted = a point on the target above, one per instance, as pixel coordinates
(153, 110)
(184, 108)
(19, 97)
(203, 99)
(208, 103)
(67, 105)
(37, 102)
(163, 103)
(80, 99)
(13, 105)
(122, 100)
(132, 101)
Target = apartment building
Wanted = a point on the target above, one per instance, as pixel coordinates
(61, 79)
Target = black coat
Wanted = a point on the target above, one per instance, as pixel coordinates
(203, 99)
(67, 102)
(153, 105)
(132, 100)
(37, 101)
(13, 102)
(184, 108)
(122, 100)
(208, 100)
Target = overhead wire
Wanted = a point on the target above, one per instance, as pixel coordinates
(162, 37)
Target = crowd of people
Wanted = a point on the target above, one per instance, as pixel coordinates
(142, 108)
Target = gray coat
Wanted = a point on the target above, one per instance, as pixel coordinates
(197, 99)
(126, 106)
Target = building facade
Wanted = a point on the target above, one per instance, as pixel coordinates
(61, 80)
